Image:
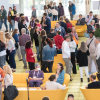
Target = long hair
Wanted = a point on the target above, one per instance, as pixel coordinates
(7, 69)
(71, 37)
(48, 40)
(43, 32)
(28, 45)
(67, 20)
(62, 68)
(14, 32)
(83, 47)
(8, 36)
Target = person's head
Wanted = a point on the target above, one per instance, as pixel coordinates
(95, 16)
(37, 29)
(36, 21)
(15, 32)
(70, 3)
(71, 37)
(10, 9)
(23, 21)
(61, 18)
(28, 44)
(60, 4)
(2, 44)
(92, 77)
(54, 3)
(33, 18)
(49, 42)
(67, 20)
(45, 15)
(80, 16)
(67, 38)
(64, 17)
(97, 40)
(23, 30)
(37, 66)
(7, 69)
(70, 97)
(21, 15)
(45, 98)
(69, 30)
(8, 36)
(53, 41)
(45, 7)
(52, 30)
(58, 24)
(53, 78)
(91, 34)
(97, 26)
(91, 13)
(14, 7)
(33, 7)
(58, 32)
(43, 32)
(83, 47)
(92, 22)
(73, 29)
(60, 67)
(51, 2)
(2, 7)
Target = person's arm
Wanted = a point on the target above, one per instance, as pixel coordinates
(63, 32)
(12, 44)
(62, 87)
(73, 45)
(97, 53)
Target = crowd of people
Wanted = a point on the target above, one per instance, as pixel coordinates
(63, 39)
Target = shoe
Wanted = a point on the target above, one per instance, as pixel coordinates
(6, 31)
(21, 60)
(71, 78)
(13, 70)
(88, 79)
(25, 67)
(81, 79)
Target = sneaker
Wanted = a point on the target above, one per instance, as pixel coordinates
(81, 79)
(21, 60)
(25, 67)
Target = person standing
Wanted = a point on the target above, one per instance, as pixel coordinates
(66, 55)
(22, 41)
(34, 11)
(38, 24)
(60, 10)
(3, 18)
(47, 25)
(90, 42)
(82, 60)
(72, 10)
(11, 50)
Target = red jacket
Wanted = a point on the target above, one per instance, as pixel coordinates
(58, 41)
(69, 25)
(40, 27)
(29, 54)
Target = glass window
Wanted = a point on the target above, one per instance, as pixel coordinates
(57, 2)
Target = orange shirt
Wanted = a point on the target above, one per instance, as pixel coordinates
(2, 73)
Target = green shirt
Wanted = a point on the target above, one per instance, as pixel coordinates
(3, 14)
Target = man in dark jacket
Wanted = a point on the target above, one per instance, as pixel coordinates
(34, 11)
(47, 25)
(3, 18)
(72, 10)
(81, 20)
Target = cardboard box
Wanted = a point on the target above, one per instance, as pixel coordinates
(2, 36)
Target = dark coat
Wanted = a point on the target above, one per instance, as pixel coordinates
(82, 58)
(63, 24)
(60, 11)
(51, 35)
(81, 22)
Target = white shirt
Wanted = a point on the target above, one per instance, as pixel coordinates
(72, 45)
(98, 51)
(52, 85)
(11, 44)
(3, 53)
(65, 49)
(8, 80)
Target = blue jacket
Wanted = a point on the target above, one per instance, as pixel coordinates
(48, 23)
(73, 9)
(48, 53)
(16, 38)
(60, 78)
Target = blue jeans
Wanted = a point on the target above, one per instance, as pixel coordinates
(5, 23)
(86, 35)
(10, 26)
(37, 49)
(13, 25)
(12, 59)
(54, 17)
(60, 51)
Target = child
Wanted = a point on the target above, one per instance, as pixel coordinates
(30, 55)
(38, 24)
(82, 60)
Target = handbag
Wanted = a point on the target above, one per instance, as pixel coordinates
(54, 12)
(16, 45)
(10, 93)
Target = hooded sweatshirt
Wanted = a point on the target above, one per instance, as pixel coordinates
(29, 54)
(58, 41)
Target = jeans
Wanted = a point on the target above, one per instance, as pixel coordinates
(2, 60)
(5, 23)
(54, 17)
(12, 59)
(86, 35)
(71, 17)
(13, 25)
(10, 26)
(32, 83)
(37, 49)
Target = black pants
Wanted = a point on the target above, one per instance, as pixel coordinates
(58, 17)
(7, 56)
(31, 34)
(71, 17)
(73, 62)
(47, 31)
(31, 65)
(46, 65)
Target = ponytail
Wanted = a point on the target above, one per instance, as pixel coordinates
(48, 40)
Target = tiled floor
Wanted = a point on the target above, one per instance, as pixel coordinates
(74, 86)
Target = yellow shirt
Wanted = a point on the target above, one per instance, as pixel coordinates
(12, 12)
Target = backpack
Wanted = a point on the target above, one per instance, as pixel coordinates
(89, 29)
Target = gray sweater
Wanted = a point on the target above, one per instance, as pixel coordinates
(34, 13)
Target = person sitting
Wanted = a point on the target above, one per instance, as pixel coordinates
(60, 28)
(70, 97)
(95, 84)
(36, 76)
(60, 73)
(38, 24)
(96, 19)
(46, 98)
(81, 20)
(63, 24)
(51, 34)
(58, 41)
(53, 85)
